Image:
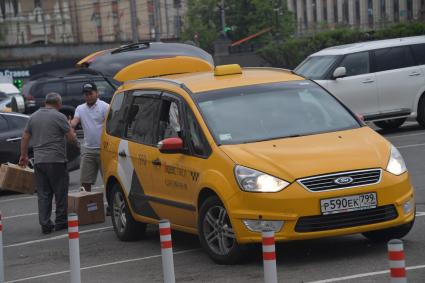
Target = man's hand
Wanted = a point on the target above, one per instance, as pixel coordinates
(23, 160)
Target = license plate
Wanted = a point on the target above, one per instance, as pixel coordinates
(348, 203)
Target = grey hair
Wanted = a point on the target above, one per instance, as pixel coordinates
(53, 98)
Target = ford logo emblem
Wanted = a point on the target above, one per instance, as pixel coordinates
(343, 180)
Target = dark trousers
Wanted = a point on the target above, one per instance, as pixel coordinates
(52, 179)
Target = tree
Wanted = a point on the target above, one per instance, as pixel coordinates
(243, 18)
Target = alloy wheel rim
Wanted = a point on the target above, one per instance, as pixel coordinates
(217, 230)
(119, 212)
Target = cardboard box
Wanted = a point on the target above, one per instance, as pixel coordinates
(88, 206)
(17, 179)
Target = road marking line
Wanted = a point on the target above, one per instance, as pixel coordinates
(56, 237)
(411, 145)
(13, 199)
(420, 214)
(20, 215)
(402, 136)
(99, 265)
(363, 275)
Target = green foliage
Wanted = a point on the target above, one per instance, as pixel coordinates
(243, 18)
(291, 52)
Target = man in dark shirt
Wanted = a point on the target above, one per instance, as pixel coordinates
(47, 129)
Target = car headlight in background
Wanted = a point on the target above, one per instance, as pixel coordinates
(251, 180)
(396, 163)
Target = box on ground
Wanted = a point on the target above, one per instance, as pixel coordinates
(88, 206)
(16, 178)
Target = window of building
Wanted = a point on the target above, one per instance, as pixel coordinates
(393, 58)
(356, 64)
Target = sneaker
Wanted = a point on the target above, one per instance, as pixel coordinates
(62, 226)
(47, 229)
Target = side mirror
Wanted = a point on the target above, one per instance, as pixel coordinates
(339, 72)
(171, 145)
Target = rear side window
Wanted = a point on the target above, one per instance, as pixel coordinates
(75, 88)
(104, 89)
(356, 64)
(142, 120)
(3, 124)
(393, 58)
(17, 122)
(419, 53)
(41, 90)
(115, 123)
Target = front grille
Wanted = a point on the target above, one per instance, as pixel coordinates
(346, 219)
(330, 181)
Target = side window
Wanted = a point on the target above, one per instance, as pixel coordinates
(393, 58)
(115, 123)
(104, 89)
(356, 64)
(169, 119)
(75, 88)
(3, 124)
(419, 53)
(195, 136)
(142, 119)
(53, 87)
(17, 122)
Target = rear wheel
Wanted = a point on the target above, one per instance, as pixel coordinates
(390, 233)
(421, 111)
(126, 228)
(216, 233)
(390, 124)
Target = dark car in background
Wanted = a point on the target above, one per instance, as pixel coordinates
(12, 126)
(69, 87)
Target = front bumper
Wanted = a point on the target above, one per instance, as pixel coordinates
(295, 203)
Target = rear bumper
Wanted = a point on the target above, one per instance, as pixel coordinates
(295, 205)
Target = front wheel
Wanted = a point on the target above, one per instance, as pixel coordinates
(216, 233)
(390, 233)
(126, 228)
(391, 124)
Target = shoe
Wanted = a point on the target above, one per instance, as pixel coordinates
(108, 211)
(62, 226)
(47, 229)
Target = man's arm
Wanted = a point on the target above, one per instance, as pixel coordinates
(74, 122)
(23, 159)
(71, 137)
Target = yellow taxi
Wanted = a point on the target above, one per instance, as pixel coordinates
(226, 152)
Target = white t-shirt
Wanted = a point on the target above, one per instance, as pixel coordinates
(92, 118)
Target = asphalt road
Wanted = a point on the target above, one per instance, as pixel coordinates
(32, 257)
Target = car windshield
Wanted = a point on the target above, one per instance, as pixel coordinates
(272, 111)
(315, 67)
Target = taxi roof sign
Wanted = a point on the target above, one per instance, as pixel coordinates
(163, 66)
(224, 70)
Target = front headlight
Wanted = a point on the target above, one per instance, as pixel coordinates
(396, 163)
(251, 180)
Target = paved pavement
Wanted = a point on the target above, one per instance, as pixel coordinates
(33, 257)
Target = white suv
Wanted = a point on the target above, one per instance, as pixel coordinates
(384, 80)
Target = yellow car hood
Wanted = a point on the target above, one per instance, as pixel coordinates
(297, 157)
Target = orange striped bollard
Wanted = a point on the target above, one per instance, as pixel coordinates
(1, 252)
(269, 257)
(397, 264)
(74, 248)
(167, 251)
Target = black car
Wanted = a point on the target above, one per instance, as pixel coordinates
(69, 87)
(12, 126)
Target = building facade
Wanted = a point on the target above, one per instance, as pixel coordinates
(88, 21)
(312, 15)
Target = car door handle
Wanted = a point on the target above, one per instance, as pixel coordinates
(414, 74)
(122, 153)
(368, 81)
(156, 162)
(14, 139)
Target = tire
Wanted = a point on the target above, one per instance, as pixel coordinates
(391, 124)
(125, 227)
(390, 233)
(213, 220)
(421, 111)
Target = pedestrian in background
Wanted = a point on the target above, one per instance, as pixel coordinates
(47, 130)
(91, 115)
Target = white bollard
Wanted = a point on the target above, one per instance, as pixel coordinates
(1, 252)
(167, 251)
(74, 248)
(269, 257)
(397, 263)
